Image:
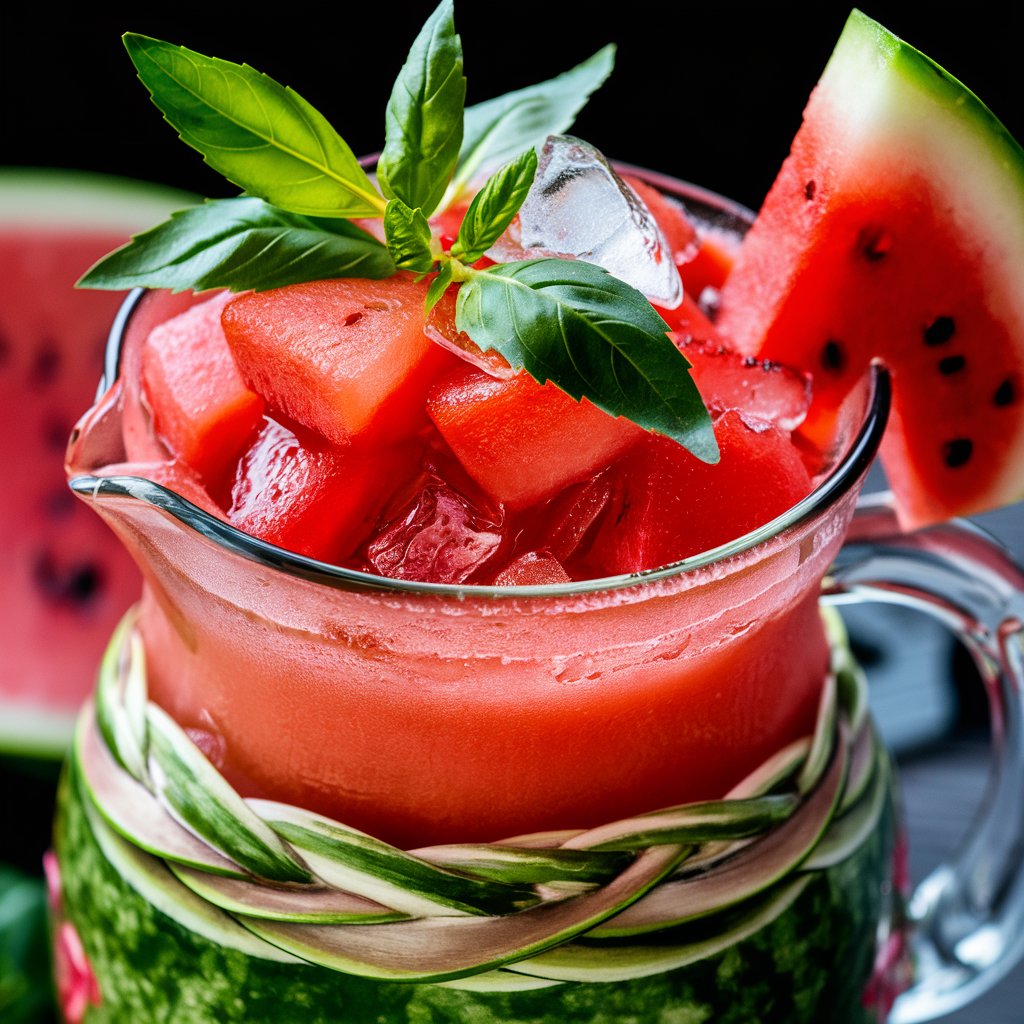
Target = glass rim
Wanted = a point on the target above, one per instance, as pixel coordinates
(844, 475)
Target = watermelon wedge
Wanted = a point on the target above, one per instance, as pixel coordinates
(895, 231)
(66, 580)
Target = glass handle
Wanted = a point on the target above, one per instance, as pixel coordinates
(968, 914)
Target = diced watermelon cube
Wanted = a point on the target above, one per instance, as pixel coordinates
(338, 356)
(436, 534)
(533, 569)
(296, 490)
(523, 441)
(761, 391)
(669, 505)
(200, 405)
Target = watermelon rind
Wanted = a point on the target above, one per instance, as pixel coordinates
(48, 198)
(887, 121)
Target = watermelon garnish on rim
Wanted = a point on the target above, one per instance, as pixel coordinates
(895, 231)
(66, 579)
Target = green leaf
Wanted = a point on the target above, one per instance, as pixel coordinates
(239, 244)
(259, 134)
(438, 287)
(25, 970)
(501, 127)
(408, 235)
(591, 335)
(494, 206)
(424, 117)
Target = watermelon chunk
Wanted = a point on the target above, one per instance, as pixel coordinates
(200, 405)
(296, 490)
(522, 441)
(338, 356)
(895, 230)
(668, 505)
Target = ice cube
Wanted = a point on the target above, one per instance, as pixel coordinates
(579, 207)
(437, 536)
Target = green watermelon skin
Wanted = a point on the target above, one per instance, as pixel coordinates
(895, 231)
(809, 965)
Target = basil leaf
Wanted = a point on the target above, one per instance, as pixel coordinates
(424, 117)
(592, 335)
(497, 129)
(438, 287)
(494, 206)
(259, 134)
(239, 244)
(408, 235)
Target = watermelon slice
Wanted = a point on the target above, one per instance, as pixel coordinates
(66, 579)
(895, 231)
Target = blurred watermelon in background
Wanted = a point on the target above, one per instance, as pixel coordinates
(64, 579)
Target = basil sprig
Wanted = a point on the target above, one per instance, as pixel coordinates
(563, 321)
(262, 136)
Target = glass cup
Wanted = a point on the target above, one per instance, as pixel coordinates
(293, 792)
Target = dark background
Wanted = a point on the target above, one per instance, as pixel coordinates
(708, 92)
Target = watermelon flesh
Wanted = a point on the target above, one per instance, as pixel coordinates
(337, 356)
(66, 579)
(200, 405)
(667, 504)
(895, 231)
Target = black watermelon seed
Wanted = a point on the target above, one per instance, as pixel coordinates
(60, 504)
(55, 432)
(44, 366)
(939, 331)
(874, 243)
(809, 189)
(833, 358)
(75, 585)
(957, 452)
(1004, 393)
(5, 351)
(951, 365)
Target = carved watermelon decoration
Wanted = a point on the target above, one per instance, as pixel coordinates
(64, 578)
(895, 231)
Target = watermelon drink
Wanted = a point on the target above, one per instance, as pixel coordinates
(315, 783)
(518, 709)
